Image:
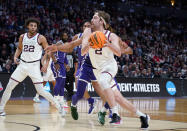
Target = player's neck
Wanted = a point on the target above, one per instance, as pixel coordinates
(31, 34)
(99, 29)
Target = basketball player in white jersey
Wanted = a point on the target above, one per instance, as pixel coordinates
(47, 76)
(30, 47)
(103, 60)
(106, 66)
(125, 49)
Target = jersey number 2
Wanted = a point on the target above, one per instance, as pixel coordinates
(98, 51)
(28, 48)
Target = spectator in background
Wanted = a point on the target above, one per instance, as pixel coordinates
(7, 68)
(3, 57)
(158, 42)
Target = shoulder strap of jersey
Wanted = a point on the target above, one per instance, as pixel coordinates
(80, 35)
(25, 34)
(107, 34)
(38, 38)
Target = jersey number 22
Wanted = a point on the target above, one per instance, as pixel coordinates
(28, 48)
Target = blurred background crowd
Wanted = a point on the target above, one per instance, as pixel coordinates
(158, 40)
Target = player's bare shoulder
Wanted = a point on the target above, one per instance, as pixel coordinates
(20, 45)
(113, 36)
(42, 41)
(41, 38)
(22, 35)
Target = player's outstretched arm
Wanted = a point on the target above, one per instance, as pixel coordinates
(18, 50)
(114, 45)
(67, 47)
(85, 43)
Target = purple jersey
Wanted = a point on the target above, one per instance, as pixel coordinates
(87, 61)
(60, 57)
(80, 57)
(86, 70)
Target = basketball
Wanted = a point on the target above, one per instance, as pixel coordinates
(97, 39)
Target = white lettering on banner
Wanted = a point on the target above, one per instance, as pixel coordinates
(89, 87)
(171, 89)
(135, 87)
(139, 87)
(129, 87)
(148, 88)
(125, 87)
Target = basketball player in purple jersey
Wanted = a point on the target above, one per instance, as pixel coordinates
(79, 72)
(59, 70)
(70, 72)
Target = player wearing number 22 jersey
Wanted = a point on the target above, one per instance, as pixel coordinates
(30, 47)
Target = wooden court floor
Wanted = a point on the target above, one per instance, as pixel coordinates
(167, 114)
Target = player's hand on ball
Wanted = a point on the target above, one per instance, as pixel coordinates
(52, 48)
(107, 44)
(16, 60)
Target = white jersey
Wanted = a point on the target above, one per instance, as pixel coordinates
(31, 51)
(49, 65)
(48, 76)
(103, 56)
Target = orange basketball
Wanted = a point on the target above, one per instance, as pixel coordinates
(97, 39)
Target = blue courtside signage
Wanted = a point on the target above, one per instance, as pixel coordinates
(170, 86)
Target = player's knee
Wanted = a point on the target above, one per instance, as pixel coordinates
(39, 89)
(104, 84)
(11, 85)
(104, 80)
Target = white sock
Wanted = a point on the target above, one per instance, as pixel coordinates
(56, 98)
(1, 108)
(115, 110)
(103, 109)
(138, 113)
(73, 105)
(37, 95)
(61, 100)
(45, 94)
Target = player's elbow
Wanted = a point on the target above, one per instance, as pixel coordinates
(118, 53)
